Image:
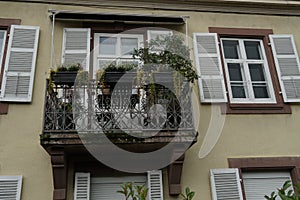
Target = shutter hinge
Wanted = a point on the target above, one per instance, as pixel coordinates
(241, 180)
(280, 92)
(269, 44)
(8, 34)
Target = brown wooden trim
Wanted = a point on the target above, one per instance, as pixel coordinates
(174, 176)
(230, 108)
(5, 24)
(268, 163)
(3, 108)
(59, 170)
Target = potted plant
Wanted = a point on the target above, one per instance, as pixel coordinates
(65, 74)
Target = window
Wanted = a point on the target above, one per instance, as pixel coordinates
(10, 187)
(257, 184)
(115, 49)
(2, 44)
(254, 185)
(247, 71)
(19, 69)
(252, 178)
(87, 187)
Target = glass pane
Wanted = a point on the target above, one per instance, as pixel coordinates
(108, 45)
(231, 49)
(252, 50)
(1, 41)
(257, 72)
(260, 91)
(235, 72)
(105, 63)
(238, 91)
(128, 45)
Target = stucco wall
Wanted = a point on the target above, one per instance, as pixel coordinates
(242, 135)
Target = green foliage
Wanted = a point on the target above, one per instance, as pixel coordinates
(134, 192)
(286, 192)
(175, 55)
(69, 68)
(119, 68)
(188, 194)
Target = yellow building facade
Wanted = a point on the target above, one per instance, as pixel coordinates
(250, 125)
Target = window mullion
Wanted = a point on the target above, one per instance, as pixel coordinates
(249, 93)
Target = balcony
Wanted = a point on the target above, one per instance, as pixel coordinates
(122, 111)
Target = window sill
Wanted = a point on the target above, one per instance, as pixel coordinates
(279, 108)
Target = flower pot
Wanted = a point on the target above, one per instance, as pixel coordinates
(64, 78)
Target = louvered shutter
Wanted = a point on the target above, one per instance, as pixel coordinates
(225, 184)
(259, 184)
(82, 186)
(104, 188)
(20, 64)
(76, 46)
(209, 67)
(10, 187)
(155, 185)
(287, 66)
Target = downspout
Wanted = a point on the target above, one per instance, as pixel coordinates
(52, 39)
(185, 18)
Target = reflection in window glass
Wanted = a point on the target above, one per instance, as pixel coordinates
(248, 75)
(128, 45)
(236, 80)
(258, 81)
(108, 45)
(231, 49)
(2, 37)
(252, 50)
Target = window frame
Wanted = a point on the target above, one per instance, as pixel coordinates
(3, 45)
(247, 77)
(5, 24)
(118, 56)
(291, 164)
(279, 107)
(19, 183)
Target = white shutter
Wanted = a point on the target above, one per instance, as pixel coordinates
(209, 67)
(104, 188)
(225, 184)
(76, 46)
(287, 66)
(20, 64)
(82, 186)
(155, 185)
(259, 184)
(10, 187)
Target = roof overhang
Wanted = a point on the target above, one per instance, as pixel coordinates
(116, 17)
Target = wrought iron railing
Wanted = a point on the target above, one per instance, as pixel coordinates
(127, 108)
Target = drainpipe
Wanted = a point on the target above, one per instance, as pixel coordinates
(185, 18)
(52, 16)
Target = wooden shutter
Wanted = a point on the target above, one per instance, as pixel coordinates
(155, 185)
(225, 184)
(209, 67)
(76, 46)
(20, 63)
(82, 186)
(259, 184)
(287, 66)
(10, 187)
